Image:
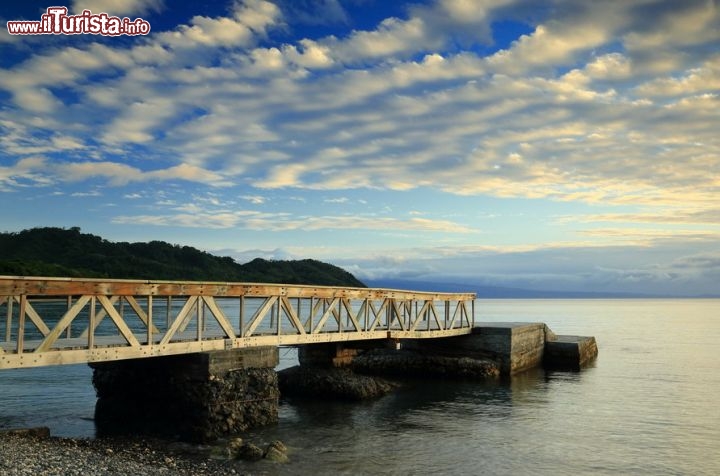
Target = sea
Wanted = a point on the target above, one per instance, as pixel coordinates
(649, 404)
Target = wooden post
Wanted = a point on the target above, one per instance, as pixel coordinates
(8, 329)
(199, 319)
(272, 315)
(312, 312)
(21, 325)
(242, 316)
(150, 320)
(472, 324)
(91, 324)
(69, 305)
(447, 314)
(279, 325)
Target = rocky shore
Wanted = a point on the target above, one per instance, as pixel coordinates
(332, 383)
(34, 453)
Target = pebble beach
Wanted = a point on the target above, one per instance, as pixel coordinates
(23, 454)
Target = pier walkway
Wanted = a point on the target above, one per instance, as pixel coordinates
(55, 321)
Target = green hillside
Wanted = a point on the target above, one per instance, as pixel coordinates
(71, 253)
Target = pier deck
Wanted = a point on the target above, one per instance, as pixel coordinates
(55, 321)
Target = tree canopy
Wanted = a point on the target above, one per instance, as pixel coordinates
(69, 252)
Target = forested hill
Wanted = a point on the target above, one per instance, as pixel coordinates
(71, 253)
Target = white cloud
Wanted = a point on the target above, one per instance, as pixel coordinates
(290, 115)
(254, 199)
(547, 47)
(691, 23)
(337, 200)
(25, 172)
(194, 216)
(705, 79)
(119, 174)
(250, 19)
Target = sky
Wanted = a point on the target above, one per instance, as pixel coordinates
(557, 145)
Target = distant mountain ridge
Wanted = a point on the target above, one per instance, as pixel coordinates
(499, 292)
(69, 252)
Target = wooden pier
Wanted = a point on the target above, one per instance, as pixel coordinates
(54, 321)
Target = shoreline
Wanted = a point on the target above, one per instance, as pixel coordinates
(25, 452)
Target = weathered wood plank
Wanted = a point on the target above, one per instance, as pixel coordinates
(43, 286)
(8, 322)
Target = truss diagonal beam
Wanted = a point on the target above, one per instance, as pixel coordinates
(65, 321)
(100, 316)
(260, 315)
(179, 320)
(351, 316)
(377, 314)
(140, 312)
(423, 312)
(330, 310)
(292, 315)
(34, 317)
(109, 308)
(219, 316)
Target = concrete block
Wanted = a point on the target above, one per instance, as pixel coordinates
(570, 352)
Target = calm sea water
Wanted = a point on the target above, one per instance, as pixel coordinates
(649, 405)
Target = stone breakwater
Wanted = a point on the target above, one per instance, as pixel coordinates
(342, 384)
(194, 397)
(409, 363)
(363, 376)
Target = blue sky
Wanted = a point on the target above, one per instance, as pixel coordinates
(566, 144)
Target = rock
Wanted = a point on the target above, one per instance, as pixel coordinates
(232, 448)
(279, 445)
(37, 432)
(249, 452)
(337, 383)
(276, 453)
(409, 363)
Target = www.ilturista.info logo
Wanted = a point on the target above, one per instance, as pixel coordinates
(57, 22)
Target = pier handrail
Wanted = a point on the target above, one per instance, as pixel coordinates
(52, 321)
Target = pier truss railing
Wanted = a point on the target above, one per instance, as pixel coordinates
(54, 321)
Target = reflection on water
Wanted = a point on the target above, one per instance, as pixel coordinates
(59, 397)
(647, 406)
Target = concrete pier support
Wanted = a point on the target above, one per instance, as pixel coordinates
(195, 397)
(514, 346)
(570, 352)
(338, 355)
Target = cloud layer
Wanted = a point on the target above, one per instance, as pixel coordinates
(601, 104)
